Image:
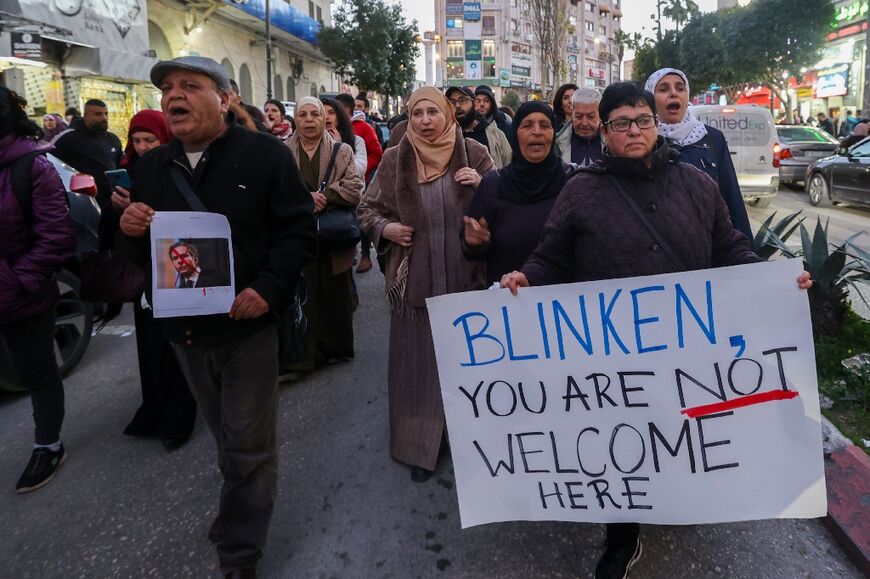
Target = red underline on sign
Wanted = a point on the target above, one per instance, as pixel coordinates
(750, 400)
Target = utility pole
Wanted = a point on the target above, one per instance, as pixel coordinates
(268, 51)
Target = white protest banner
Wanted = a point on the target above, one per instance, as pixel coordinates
(191, 264)
(673, 399)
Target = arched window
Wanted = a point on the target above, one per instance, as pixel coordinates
(314, 89)
(228, 66)
(159, 42)
(291, 89)
(245, 84)
(278, 87)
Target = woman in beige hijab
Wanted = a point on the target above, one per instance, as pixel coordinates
(413, 213)
(329, 309)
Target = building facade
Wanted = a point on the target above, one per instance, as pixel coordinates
(60, 53)
(494, 43)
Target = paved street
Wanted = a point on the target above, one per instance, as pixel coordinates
(123, 507)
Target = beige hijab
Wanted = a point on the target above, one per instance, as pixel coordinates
(433, 158)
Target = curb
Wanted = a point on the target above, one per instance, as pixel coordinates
(847, 474)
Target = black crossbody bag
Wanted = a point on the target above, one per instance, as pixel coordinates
(292, 324)
(337, 227)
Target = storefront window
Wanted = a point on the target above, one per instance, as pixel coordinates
(489, 70)
(455, 69)
(455, 49)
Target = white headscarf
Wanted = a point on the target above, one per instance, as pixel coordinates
(689, 130)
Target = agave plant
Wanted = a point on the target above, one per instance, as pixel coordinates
(768, 239)
(833, 270)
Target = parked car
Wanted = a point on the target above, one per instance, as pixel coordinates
(75, 318)
(289, 108)
(798, 147)
(841, 178)
(751, 137)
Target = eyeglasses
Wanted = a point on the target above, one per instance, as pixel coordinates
(643, 122)
(463, 100)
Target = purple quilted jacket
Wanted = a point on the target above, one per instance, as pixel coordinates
(31, 254)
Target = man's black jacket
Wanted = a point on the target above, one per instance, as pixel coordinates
(91, 152)
(252, 179)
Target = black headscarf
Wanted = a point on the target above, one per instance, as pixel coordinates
(524, 182)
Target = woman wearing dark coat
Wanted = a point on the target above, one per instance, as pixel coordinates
(507, 213)
(593, 233)
(168, 410)
(699, 145)
(413, 213)
(34, 245)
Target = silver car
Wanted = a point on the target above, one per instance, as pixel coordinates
(798, 147)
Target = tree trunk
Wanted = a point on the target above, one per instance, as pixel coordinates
(828, 311)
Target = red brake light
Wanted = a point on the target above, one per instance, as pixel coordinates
(82, 183)
(780, 153)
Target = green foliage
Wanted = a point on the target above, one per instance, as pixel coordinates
(372, 45)
(655, 55)
(511, 99)
(833, 270)
(849, 390)
(768, 239)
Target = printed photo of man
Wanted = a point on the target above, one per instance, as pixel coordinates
(185, 258)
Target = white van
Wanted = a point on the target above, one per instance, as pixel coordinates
(752, 140)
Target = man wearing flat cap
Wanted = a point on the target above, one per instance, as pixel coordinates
(230, 360)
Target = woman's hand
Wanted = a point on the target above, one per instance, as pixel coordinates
(319, 201)
(120, 199)
(136, 219)
(804, 281)
(335, 134)
(476, 232)
(468, 176)
(399, 234)
(514, 280)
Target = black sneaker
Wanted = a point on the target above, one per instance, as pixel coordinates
(42, 467)
(617, 559)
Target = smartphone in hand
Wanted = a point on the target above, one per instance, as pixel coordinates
(119, 178)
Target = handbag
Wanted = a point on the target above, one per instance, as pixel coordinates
(108, 276)
(337, 227)
(293, 329)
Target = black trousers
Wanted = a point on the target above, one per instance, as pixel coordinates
(31, 343)
(236, 387)
(622, 532)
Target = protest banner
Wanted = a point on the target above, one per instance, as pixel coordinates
(192, 270)
(673, 399)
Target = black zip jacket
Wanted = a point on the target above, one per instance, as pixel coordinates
(252, 179)
(91, 152)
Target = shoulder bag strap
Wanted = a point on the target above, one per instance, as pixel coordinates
(329, 167)
(646, 223)
(185, 189)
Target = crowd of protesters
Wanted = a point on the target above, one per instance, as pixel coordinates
(465, 194)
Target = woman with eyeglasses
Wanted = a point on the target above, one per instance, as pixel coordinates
(700, 145)
(594, 232)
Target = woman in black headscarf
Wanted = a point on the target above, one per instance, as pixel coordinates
(509, 209)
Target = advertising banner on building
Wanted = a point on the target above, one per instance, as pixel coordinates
(473, 50)
(473, 70)
(684, 398)
(471, 11)
(833, 81)
(26, 45)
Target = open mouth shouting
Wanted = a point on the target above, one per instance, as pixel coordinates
(178, 113)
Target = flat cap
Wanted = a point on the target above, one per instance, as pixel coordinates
(201, 64)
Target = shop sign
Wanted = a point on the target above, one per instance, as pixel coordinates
(472, 11)
(852, 11)
(833, 81)
(26, 45)
(850, 30)
(472, 70)
(805, 92)
(521, 70)
(473, 50)
(504, 75)
(595, 73)
(454, 9)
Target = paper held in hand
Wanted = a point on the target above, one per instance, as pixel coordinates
(191, 264)
(674, 399)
